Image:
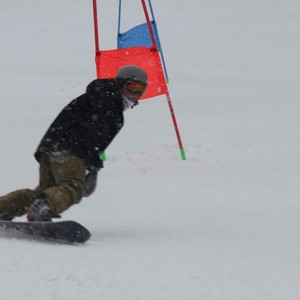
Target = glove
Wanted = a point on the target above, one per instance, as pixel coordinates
(90, 183)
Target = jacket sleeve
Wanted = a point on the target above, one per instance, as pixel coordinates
(82, 115)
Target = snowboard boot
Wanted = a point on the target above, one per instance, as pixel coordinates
(39, 211)
(5, 217)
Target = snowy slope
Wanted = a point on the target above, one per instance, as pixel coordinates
(222, 225)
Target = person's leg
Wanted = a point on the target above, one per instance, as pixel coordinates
(65, 186)
(62, 180)
(16, 203)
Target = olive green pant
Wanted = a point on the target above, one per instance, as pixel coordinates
(62, 180)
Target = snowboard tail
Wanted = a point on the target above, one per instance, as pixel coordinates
(63, 231)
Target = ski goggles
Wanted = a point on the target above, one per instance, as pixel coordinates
(135, 88)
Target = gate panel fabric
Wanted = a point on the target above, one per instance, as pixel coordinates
(108, 62)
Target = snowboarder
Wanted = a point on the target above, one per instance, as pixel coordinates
(68, 154)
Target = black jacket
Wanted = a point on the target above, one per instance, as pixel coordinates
(87, 125)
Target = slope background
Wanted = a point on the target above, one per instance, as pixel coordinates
(222, 225)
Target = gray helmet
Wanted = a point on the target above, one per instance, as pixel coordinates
(132, 72)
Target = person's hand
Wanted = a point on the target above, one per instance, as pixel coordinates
(90, 183)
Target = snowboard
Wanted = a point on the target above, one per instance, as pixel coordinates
(62, 231)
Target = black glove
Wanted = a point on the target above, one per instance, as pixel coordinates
(90, 183)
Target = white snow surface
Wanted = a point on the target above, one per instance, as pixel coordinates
(225, 223)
